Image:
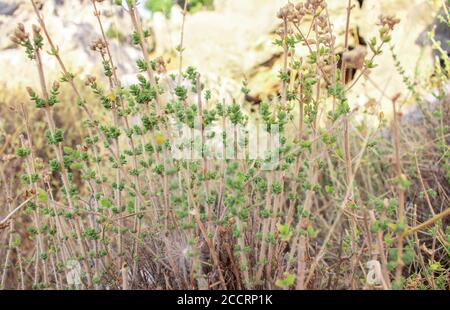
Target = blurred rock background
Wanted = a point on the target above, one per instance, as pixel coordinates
(227, 43)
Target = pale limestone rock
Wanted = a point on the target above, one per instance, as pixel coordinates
(226, 45)
(73, 27)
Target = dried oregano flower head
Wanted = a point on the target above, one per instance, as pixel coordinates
(292, 13)
(296, 12)
(20, 36)
(36, 30)
(39, 5)
(55, 86)
(30, 91)
(314, 5)
(37, 37)
(99, 46)
(286, 11)
(90, 80)
(388, 22)
(160, 65)
(322, 23)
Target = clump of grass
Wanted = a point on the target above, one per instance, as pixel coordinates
(137, 205)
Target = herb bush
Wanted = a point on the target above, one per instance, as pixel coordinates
(136, 205)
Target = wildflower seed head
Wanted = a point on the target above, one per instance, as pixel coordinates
(388, 22)
(295, 13)
(285, 11)
(292, 13)
(37, 37)
(315, 5)
(20, 36)
(55, 86)
(322, 23)
(299, 7)
(39, 4)
(99, 46)
(30, 91)
(160, 65)
(36, 30)
(90, 80)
